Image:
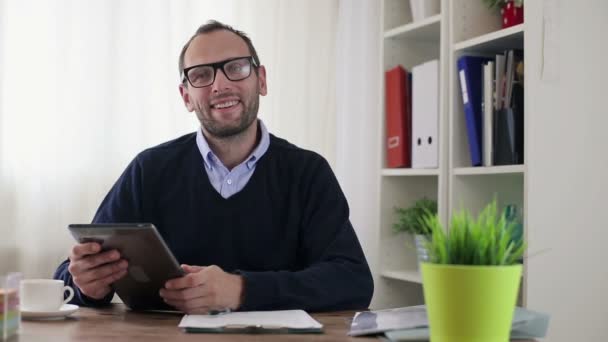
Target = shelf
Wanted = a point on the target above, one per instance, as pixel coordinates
(427, 29)
(462, 28)
(409, 276)
(495, 42)
(489, 170)
(410, 172)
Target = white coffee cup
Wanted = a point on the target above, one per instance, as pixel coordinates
(43, 294)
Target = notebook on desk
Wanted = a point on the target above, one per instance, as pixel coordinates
(287, 321)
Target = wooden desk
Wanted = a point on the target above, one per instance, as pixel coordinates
(116, 323)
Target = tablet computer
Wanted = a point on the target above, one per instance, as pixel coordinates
(151, 263)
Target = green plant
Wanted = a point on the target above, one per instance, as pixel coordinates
(499, 3)
(410, 220)
(485, 241)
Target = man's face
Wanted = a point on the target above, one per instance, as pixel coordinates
(224, 108)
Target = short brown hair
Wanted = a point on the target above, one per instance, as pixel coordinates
(212, 26)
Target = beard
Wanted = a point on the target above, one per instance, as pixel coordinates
(222, 130)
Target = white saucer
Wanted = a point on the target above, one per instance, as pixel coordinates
(65, 310)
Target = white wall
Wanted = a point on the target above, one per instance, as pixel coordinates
(568, 166)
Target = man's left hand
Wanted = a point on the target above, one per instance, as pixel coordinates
(203, 289)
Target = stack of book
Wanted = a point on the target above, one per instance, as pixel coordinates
(9, 312)
(492, 96)
(412, 116)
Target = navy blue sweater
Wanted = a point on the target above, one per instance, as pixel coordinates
(287, 232)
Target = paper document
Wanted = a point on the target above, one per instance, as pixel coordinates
(411, 324)
(373, 322)
(289, 321)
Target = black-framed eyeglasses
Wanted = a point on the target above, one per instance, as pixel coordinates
(235, 69)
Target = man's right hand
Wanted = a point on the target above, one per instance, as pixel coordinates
(93, 271)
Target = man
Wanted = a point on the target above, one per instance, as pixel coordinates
(258, 223)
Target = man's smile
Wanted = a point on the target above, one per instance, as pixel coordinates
(225, 104)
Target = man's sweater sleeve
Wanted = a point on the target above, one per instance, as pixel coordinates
(121, 204)
(335, 275)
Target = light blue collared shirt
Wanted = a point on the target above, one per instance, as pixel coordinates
(229, 182)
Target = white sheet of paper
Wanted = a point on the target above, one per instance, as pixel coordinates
(292, 319)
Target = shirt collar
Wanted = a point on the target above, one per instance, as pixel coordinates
(211, 159)
(262, 147)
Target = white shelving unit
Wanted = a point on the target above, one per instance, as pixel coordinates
(408, 44)
(425, 30)
(410, 172)
(410, 276)
(462, 27)
(512, 37)
(473, 187)
(488, 170)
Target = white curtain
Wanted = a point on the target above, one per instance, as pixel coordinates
(358, 154)
(86, 85)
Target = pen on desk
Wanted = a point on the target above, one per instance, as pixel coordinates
(219, 312)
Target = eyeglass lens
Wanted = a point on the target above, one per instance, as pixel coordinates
(234, 70)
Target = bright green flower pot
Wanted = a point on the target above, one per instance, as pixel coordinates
(470, 303)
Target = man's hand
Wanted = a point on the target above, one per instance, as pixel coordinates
(93, 272)
(204, 289)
